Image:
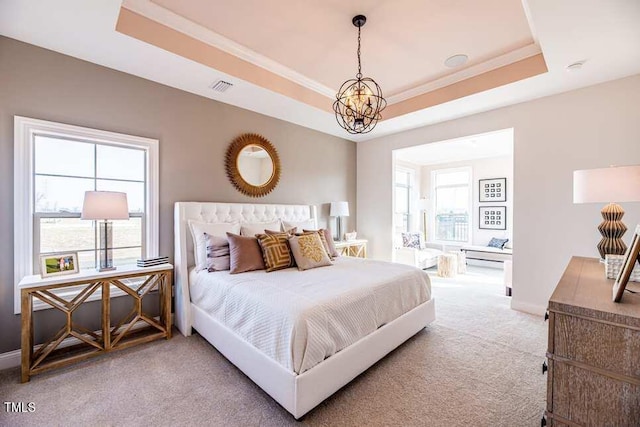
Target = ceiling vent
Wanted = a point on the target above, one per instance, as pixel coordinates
(221, 86)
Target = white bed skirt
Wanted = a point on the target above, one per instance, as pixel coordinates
(298, 394)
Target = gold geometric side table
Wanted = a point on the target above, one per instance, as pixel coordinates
(67, 293)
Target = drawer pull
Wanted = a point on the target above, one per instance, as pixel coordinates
(545, 368)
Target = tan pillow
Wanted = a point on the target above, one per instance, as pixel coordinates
(290, 231)
(308, 251)
(198, 229)
(275, 251)
(253, 228)
(245, 254)
(327, 241)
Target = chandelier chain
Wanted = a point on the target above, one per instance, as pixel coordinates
(359, 75)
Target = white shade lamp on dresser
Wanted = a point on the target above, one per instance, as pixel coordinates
(105, 206)
(608, 185)
(339, 210)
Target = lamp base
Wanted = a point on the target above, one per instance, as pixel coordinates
(106, 268)
(612, 229)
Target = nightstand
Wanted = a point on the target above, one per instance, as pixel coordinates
(67, 293)
(355, 248)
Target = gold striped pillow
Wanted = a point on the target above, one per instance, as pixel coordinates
(275, 251)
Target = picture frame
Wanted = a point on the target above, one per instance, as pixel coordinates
(492, 217)
(631, 256)
(58, 264)
(492, 190)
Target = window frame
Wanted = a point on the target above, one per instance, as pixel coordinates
(25, 130)
(434, 206)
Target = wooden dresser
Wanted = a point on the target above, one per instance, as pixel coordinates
(594, 350)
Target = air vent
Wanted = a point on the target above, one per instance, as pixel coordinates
(221, 86)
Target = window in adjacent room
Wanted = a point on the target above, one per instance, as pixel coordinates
(54, 165)
(404, 182)
(452, 204)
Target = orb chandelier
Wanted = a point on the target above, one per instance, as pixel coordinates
(359, 101)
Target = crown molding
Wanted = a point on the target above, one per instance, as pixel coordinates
(179, 23)
(492, 64)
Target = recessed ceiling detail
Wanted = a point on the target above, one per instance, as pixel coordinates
(306, 60)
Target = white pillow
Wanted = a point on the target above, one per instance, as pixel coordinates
(309, 224)
(218, 229)
(253, 228)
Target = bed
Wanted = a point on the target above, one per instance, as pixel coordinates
(249, 317)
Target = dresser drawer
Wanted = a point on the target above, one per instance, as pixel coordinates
(615, 348)
(590, 399)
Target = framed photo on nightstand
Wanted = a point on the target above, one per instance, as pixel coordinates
(493, 190)
(492, 218)
(58, 264)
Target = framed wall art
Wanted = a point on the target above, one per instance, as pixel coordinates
(492, 218)
(493, 190)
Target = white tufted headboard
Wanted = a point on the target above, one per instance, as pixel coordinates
(217, 212)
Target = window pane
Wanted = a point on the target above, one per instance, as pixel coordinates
(402, 200)
(126, 256)
(402, 178)
(134, 190)
(127, 233)
(87, 259)
(452, 178)
(59, 194)
(66, 234)
(63, 157)
(120, 163)
(452, 200)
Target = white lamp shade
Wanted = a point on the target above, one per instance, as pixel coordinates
(339, 209)
(99, 205)
(614, 184)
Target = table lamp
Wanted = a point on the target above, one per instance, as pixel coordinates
(339, 210)
(608, 185)
(104, 206)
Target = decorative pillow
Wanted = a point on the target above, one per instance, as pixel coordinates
(497, 243)
(328, 239)
(275, 251)
(217, 253)
(245, 254)
(290, 231)
(198, 229)
(308, 251)
(309, 223)
(253, 228)
(323, 239)
(412, 240)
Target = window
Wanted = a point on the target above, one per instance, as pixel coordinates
(452, 190)
(54, 165)
(402, 204)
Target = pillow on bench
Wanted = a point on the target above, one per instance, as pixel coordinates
(412, 240)
(497, 243)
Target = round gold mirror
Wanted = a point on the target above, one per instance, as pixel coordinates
(253, 165)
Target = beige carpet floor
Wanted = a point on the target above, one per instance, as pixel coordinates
(477, 365)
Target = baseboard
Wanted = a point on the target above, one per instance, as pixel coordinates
(538, 310)
(11, 359)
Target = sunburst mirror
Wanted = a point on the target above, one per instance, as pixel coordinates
(253, 165)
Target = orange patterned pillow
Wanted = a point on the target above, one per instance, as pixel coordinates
(275, 251)
(308, 251)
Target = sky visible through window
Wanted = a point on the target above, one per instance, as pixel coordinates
(65, 169)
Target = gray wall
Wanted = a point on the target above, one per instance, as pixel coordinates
(193, 132)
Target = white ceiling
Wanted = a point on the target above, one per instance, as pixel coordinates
(493, 144)
(605, 33)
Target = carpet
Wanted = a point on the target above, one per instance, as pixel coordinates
(478, 364)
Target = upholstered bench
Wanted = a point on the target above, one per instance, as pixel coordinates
(487, 253)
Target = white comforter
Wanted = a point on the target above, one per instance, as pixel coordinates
(299, 318)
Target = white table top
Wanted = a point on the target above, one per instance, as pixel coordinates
(339, 243)
(88, 274)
